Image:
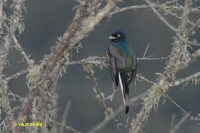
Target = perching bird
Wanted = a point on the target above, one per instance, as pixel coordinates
(123, 64)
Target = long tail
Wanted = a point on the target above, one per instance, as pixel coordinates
(123, 81)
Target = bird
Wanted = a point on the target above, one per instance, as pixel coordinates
(122, 63)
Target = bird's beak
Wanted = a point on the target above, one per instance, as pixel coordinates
(111, 37)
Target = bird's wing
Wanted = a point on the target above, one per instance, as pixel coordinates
(113, 65)
(117, 61)
(134, 69)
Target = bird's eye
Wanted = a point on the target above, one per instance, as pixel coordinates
(118, 35)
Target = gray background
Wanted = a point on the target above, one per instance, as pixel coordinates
(46, 20)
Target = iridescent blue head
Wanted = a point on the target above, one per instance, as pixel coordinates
(118, 36)
(118, 40)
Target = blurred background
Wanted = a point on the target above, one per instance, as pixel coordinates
(47, 20)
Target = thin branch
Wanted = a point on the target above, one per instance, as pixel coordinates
(178, 106)
(136, 7)
(195, 78)
(152, 5)
(193, 57)
(104, 122)
(91, 60)
(97, 91)
(151, 58)
(29, 61)
(179, 123)
(145, 52)
(16, 75)
(174, 29)
(182, 110)
(68, 128)
(64, 117)
(156, 6)
(101, 61)
(145, 79)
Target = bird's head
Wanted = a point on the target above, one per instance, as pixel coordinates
(117, 36)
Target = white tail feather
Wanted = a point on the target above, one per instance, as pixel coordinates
(121, 86)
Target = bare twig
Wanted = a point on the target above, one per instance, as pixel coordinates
(68, 128)
(64, 117)
(103, 123)
(29, 61)
(195, 78)
(152, 5)
(179, 123)
(182, 110)
(151, 58)
(100, 61)
(145, 79)
(98, 93)
(15, 75)
(145, 52)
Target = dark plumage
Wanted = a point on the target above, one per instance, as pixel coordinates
(123, 64)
